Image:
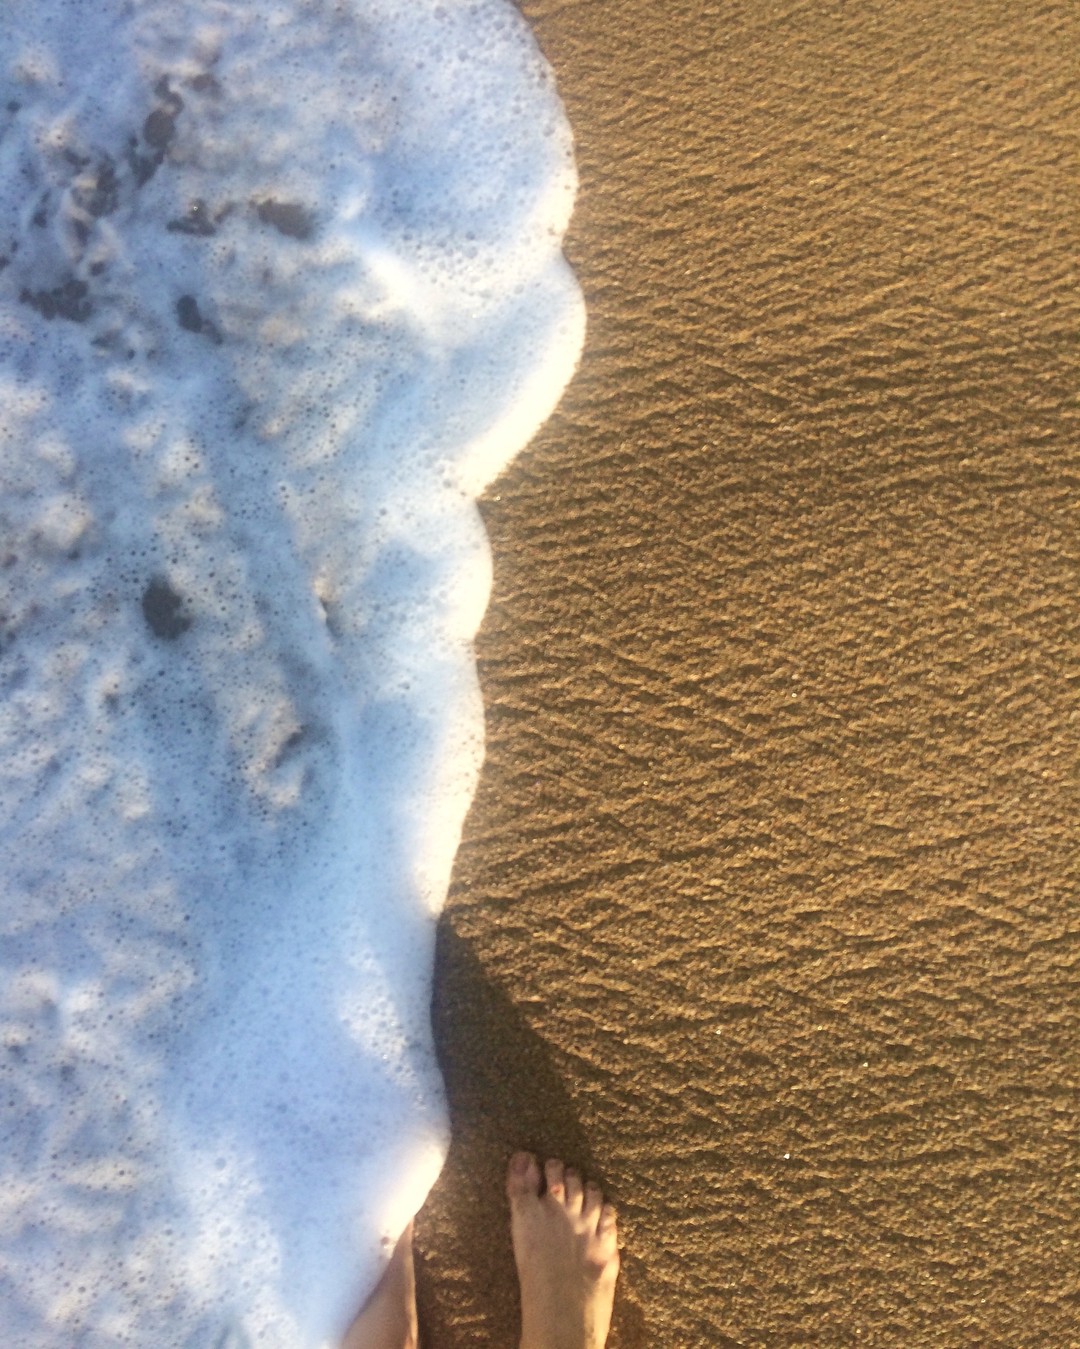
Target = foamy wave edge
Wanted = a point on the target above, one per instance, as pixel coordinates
(281, 291)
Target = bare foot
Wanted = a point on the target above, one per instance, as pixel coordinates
(566, 1254)
(388, 1317)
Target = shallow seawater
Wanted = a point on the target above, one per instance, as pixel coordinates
(281, 290)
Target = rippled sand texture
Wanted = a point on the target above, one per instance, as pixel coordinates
(767, 909)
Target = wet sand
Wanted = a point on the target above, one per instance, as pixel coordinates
(766, 912)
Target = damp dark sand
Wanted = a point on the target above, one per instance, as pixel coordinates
(766, 913)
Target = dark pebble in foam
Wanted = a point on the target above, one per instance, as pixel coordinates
(188, 315)
(163, 610)
(67, 301)
(159, 128)
(288, 217)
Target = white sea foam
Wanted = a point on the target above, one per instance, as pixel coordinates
(281, 290)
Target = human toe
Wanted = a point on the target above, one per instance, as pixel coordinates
(574, 1196)
(522, 1176)
(555, 1176)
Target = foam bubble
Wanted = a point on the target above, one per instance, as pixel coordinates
(280, 292)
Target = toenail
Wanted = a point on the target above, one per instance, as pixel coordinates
(520, 1164)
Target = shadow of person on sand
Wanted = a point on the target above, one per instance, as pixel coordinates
(504, 1093)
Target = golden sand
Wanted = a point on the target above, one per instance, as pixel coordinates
(767, 909)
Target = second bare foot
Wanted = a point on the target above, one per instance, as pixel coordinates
(566, 1254)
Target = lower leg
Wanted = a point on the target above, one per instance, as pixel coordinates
(388, 1318)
